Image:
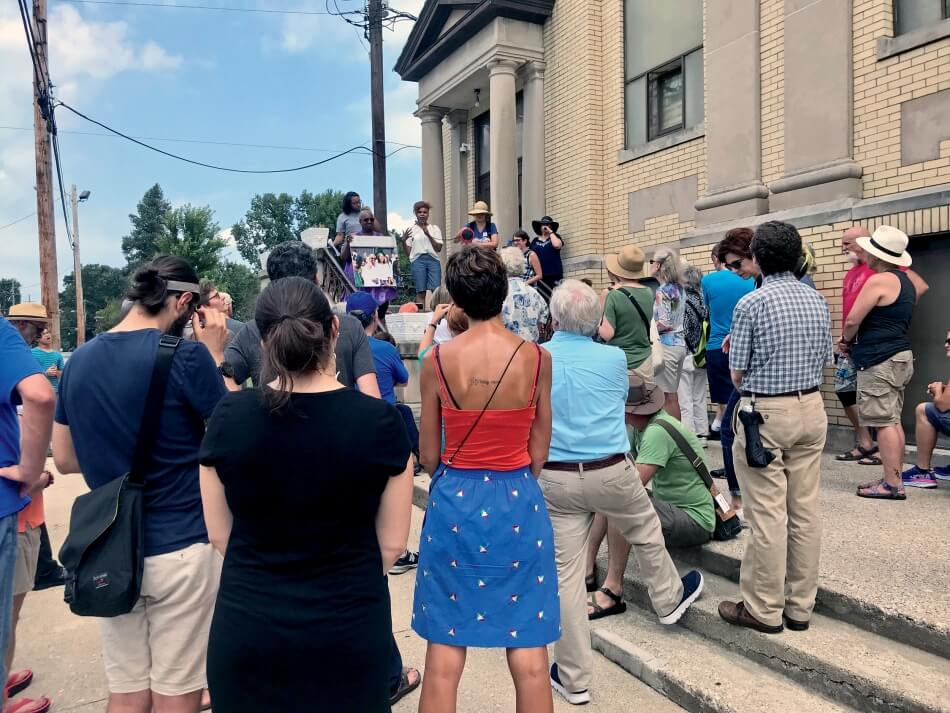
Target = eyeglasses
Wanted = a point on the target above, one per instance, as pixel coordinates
(735, 265)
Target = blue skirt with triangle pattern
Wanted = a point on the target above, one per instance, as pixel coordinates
(487, 575)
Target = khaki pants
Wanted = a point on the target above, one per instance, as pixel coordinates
(572, 499)
(780, 566)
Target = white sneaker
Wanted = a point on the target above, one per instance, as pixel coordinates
(576, 698)
(703, 441)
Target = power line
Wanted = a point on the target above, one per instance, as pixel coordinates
(18, 220)
(201, 141)
(210, 165)
(219, 8)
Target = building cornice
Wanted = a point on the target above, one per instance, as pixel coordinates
(425, 49)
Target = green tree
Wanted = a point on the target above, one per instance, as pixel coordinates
(100, 285)
(269, 221)
(242, 283)
(109, 316)
(191, 233)
(317, 210)
(9, 293)
(149, 226)
(274, 219)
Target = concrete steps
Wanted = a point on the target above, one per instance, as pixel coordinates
(842, 662)
(857, 656)
(696, 673)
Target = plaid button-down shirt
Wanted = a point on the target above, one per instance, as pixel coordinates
(781, 337)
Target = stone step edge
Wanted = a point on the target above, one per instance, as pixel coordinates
(653, 670)
(837, 605)
(779, 654)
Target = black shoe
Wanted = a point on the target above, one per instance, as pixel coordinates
(408, 561)
(56, 578)
(714, 435)
(795, 624)
(718, 473)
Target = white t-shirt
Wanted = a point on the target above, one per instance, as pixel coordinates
(421, 245)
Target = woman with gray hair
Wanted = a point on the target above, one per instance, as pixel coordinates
(668, 310)
(692, 386)
(525, 312)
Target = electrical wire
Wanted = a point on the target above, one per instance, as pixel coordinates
(18, 220)
(219, 8)
(210, 165)
(62, 188)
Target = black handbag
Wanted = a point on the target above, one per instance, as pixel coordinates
(728, 526)
(104, 553)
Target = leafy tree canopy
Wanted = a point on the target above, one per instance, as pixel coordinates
(101, 284)
(9, 293)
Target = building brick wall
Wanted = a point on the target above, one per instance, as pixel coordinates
(880, 87)
(772, 79)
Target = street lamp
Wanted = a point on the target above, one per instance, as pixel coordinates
(77, 266)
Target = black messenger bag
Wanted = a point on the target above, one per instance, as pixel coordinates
(104, 553)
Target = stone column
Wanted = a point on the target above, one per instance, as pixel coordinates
(733, 118)
(818, 106)
(458, 173)
(433, 168)
(532, 167)
(502, 158)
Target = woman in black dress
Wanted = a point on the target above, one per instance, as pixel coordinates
(307, 492)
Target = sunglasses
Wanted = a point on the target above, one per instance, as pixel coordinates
(734, 265)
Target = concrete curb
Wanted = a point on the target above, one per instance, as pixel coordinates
(838, 605)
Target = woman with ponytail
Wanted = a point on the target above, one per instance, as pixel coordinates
(307, 490)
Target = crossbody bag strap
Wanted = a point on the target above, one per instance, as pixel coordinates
(643, 316)
(154, 402)
(699, 465)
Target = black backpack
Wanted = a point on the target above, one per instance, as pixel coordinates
(104, 553)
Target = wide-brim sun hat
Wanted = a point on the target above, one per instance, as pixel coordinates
(480, 208)
(644, 398)
(546, 220)
(627, 263)
(888, 244)
(28, 312)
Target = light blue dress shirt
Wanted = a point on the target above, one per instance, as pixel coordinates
(588, 390)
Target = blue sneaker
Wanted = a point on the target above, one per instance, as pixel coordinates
(692, 588)
(575, 698)
(942, 472)
(915, 477)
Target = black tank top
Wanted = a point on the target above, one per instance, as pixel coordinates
(885, 330)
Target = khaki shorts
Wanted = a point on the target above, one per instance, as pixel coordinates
(645, 370)
(27, 555)
(881, 390)
(668, 375)
(162, 644)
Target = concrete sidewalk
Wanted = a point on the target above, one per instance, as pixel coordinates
(64, 650)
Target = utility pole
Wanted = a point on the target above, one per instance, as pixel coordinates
(49, 276)
(375, 33)
(77, 271)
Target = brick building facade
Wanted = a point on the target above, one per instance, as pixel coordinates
(825, 113)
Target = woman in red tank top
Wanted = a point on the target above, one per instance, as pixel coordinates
(487, 575)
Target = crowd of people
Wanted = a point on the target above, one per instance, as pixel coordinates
(278, 488)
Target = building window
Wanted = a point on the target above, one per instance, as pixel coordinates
(912, 15)
(663, 66)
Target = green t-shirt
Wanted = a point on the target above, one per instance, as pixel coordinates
(630, 333)
(676, 481)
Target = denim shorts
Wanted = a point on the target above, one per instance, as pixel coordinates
(938, 419)
(8, 551)
(426, 273)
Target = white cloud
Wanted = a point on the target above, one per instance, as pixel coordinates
(155, 58)
(394, 221)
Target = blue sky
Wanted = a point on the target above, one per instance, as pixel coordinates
(284, 80)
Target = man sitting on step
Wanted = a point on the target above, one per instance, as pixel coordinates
(680, 498)
(933, 419)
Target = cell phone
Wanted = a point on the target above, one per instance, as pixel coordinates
(421, 306)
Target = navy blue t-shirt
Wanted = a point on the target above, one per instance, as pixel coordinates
(389, 368)
(16, 363)
(101, 399)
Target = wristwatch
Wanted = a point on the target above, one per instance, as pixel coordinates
(226, 370)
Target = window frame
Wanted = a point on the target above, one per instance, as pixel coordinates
(895, 15)
(679, 60)
(654, 97)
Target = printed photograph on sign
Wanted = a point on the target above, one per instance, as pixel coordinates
(374, 265)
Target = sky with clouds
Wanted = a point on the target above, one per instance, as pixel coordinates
(296, 83)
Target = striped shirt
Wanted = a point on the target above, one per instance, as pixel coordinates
(48, 359)
(781, 337)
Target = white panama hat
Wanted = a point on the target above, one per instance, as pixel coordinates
(888, 244)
